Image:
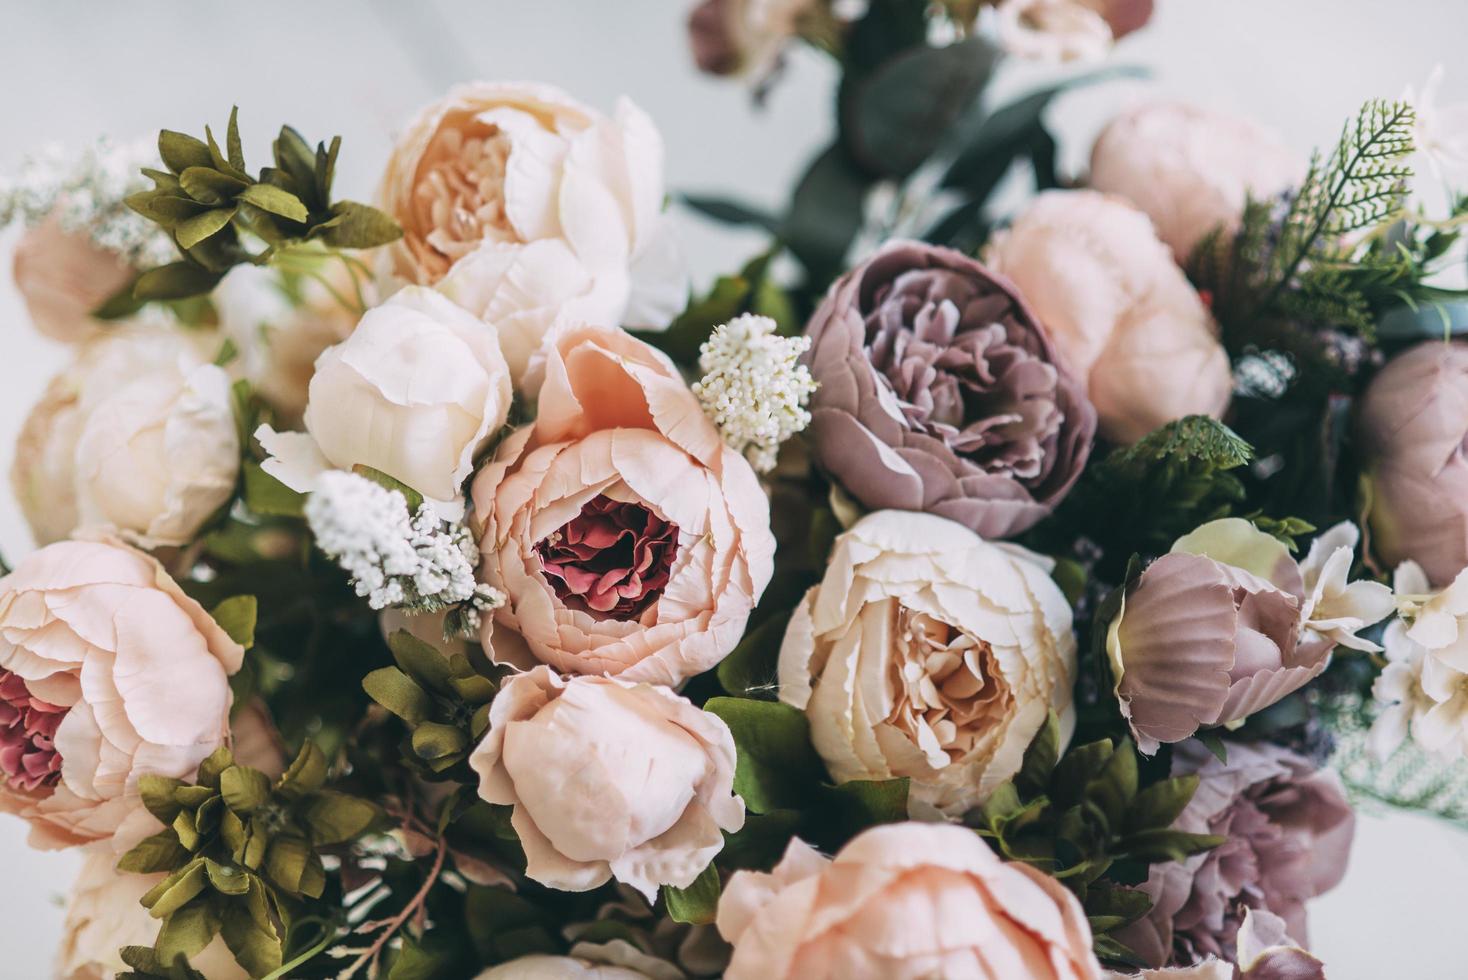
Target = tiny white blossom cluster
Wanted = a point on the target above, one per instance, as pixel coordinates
(87, 192)
(416, 562)
(753, 386)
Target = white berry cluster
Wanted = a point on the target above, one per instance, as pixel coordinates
(420, 562)
(86, 192)
(753, 387)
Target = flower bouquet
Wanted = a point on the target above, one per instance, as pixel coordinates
(977, 583)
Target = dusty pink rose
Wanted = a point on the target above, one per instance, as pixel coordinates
(1263, 951)
(940, 392)
(1068, 30)
(1289, 831)
(900, 901)
(608, 779)
(104, 914)
(108, 672)
(627, 537)
(63, 276)
(1119, 309)
(1413, 431)
(1190, 169)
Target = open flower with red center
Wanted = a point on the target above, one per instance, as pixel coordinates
(626, 536)
(108, 672)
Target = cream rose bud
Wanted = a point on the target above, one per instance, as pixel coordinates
(905, 901)
(415, 392)
(108, 672)
(1190, 169)
(608, 779)
(929, 653)
(1121, 311)
(137, 435)
(104, 914)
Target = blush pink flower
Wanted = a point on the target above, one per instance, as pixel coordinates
(1118, 308)
(63, 276)
(902, 902)
(108, 672)
(626, 536)
(608, 779)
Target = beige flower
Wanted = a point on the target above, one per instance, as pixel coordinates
(137, 435)
(63, 276)
(930, 653)
(608, 779)
(1424, 686)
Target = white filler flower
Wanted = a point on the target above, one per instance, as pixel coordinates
(753, 387)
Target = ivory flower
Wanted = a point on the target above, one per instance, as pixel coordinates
(608, 779)
(1190, 169)
(553, 206)
(104, 914)
(137, 435)
(1228, 623)
(1119, 309)
(415, 392)
(902, 902)
(1424, 686)
(108, 672)
(626, 537)
(929, 653)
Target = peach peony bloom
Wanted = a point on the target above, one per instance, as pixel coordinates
(929, 653)
(1119, 308)
(502, 166)
(136, 436)
(1413, 427)
(415, 392)
(540, 966)
(104, 914)
(63, 276)
(1190, 169)
(627, 537)
(903, 901)
(608, 779)
(108, 672)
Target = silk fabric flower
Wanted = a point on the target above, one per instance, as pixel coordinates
(138, 673)
(902, 901)
(608, 779)
(1424, 686)
(940, 392)
(1118, 308)
(929, 653)
(1067, 30)
(63, 276)
(627, 538)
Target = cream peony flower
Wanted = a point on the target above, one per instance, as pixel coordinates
(504, 166)
(930, 653)
(1424, 686)
(540, 966)
(608, 779)
(103, 915)
(137, 435)
(415, 392)
(626, 536)
(1113, 300)
(1190, 169)
(108, 672)
(904, 901)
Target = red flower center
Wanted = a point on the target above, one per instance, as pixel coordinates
(612, 560)
(28, 757)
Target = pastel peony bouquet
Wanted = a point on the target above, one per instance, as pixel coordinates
(434, 588)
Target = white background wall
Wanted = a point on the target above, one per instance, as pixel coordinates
(70, 70)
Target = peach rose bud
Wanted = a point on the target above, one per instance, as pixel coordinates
(608, 779)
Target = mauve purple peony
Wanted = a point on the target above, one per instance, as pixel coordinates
(1288, 828)
(940, 392)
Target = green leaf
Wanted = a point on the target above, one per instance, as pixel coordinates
(731, 212)
(248, 931)
(161, 852)
(1160, 804)
(1040, 758)
(396, 692)
(225, 879)
(234, 152)
(214, 764)
(696, 904)
(276, 201)
(1115, 786)
(268, 497)
(761, 841)
(862, 803)
(422, 661)
(777, 767)
(195, 230)
(187, 931)
(177, 280)
(180, 151)
(286, 863)
(412, 497)
(306, 775)
(158, 795)
(725, 301)
(826, 211)
(121, 304)
(1214, 743)
(244, 790)
(236, 616)
(208, 186)
(433, 741)
(1077, 768)
(750, 670)
(334, 818)
(1168, 845)
(355, 225)
(177, 890)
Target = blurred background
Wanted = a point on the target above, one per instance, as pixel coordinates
(72, 70)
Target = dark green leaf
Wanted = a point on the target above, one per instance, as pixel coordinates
(250, 934)
(1159, 804)
(1040, 758)
(306, 775)
(1168, 845)
(750, 670)
(422, 661)
(1115, 786)
(433, 741)
(826, 212)
(355, 225)
(862, 803)
(696, 904)
(397, 692)
(731, 212)
(178, 280)
(777, 767)
(208, 186)
(334, 818)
